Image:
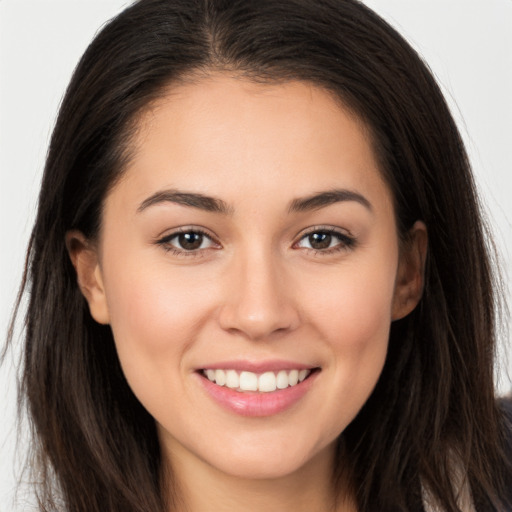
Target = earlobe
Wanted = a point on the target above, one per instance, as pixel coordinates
(411, 272)
(84, 256)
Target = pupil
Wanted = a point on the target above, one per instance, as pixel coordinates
(190, 241)
(320, 240)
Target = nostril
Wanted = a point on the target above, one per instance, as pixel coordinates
(257, 325)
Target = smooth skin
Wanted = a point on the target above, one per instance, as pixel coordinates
(255, 272)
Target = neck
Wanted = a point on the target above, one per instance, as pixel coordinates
(199, 487)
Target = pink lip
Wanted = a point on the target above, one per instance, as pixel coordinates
(253, 403)
(256, 366)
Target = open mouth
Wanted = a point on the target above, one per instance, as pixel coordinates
(266, 382)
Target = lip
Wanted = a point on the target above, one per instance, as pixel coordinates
(257, 404)
(257, 366)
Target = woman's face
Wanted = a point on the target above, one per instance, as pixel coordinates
(249, 267)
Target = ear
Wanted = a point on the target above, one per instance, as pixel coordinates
(411, 271)
(84, 256)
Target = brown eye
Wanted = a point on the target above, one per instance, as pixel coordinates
(190, 241)
(320, 240)
(326, 241)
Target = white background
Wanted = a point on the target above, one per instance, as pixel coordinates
(467, 43)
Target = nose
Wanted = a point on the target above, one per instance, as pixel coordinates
(258, 298)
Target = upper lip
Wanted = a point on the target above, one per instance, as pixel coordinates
(257, 366)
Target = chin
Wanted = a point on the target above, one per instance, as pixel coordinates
(265, 460)
(261, 468)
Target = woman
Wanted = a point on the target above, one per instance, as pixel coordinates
(245, 273)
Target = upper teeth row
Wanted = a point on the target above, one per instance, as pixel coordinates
(249, 381)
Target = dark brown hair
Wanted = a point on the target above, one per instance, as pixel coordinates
(95, 446)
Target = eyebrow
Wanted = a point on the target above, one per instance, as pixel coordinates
(323, 199)
(212, 204)
(195, 200)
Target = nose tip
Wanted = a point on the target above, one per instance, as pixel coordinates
(254, 323)
(259, 305)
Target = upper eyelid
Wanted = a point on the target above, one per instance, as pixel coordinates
(170, 234)
(330, 229)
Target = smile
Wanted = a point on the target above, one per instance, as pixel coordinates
(257, 389)
(266, 382)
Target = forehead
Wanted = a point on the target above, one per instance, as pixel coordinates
(223, 135)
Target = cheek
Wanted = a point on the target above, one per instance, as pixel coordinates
(155, 316)
(153, 304)
(354, 318)
(355, 308)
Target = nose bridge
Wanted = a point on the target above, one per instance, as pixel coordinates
(260, 300)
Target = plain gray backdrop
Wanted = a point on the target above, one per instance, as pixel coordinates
(467, 43)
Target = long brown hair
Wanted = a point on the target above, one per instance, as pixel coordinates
(95, 446)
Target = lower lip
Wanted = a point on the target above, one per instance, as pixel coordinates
(250, 403)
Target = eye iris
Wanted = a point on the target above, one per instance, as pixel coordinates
(320, 240)
(190, 241)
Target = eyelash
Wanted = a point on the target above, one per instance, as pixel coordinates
(346, 242)
(165, 242)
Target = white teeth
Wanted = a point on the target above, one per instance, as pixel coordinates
(282, 380)
(267, 382)
(232, 379)
(303, 374)
(220, 377)
(249, 381)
